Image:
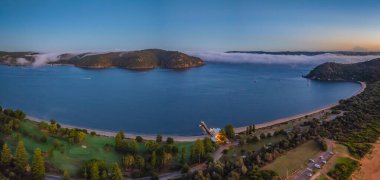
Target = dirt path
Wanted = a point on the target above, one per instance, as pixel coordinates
(370, 165)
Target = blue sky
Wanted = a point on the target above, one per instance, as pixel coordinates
(204, 25)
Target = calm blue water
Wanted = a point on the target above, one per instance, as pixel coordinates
(166, 101)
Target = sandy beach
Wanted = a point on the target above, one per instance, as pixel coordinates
(193, 138)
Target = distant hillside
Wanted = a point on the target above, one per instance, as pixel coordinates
(138, 60)
(363, 71)
(310, 53)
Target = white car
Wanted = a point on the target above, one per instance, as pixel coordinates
(309, 169)
(331, 153)
(309, 174)
(311, 160)
(321, 157)
(324, 162)
(317, 166)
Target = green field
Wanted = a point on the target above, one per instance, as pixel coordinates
(71, 156)
(236, 151)
(294, 159)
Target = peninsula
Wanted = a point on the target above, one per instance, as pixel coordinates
(134, 60)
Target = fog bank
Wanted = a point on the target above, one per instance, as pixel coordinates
(279, 59)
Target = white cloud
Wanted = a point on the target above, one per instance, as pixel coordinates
(278, 59)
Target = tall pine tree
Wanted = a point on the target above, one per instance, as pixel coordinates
(6, 156)
(66, 175)
(116, 173)
(94, 171)
(21, 157)
(38, 165)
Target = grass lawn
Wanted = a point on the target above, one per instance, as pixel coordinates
(236, 151)
(71, 156)
(294, 159)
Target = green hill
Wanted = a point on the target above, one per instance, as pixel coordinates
(137, 60)
(363, 71)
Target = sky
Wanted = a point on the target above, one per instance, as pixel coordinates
(199, 25)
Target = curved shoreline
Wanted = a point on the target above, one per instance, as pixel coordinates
(179, 138)
(286, 119)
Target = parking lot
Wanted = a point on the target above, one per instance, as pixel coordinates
(315, 164)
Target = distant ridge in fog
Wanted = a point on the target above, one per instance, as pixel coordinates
(286, 57)
(311, 53)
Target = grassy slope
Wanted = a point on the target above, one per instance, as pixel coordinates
(71, 156)
(294, 159)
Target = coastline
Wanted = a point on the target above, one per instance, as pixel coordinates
(286, 119)
(179, 138)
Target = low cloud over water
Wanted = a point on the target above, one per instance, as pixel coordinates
(279, 59)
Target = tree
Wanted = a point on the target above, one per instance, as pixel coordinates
(53, 128)
(128, 161)
(38, 165)
(207, 142)
(139, 162)
(19, 114)
(6, 156)
(104, 175)
(253, 128)
(183, 156)
(159, 138)
(116, 172)
(153, 159)
(132, 146)
(139, 139)
(7, 128)
(199, 149)
(56, 144)
(80, 137)
(119, 139)
(21, 157)
(170, 140)
(174, 150)
(151, 146)
(94, 171)
(66, 175)
(230, 133)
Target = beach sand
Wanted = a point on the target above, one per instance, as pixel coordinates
(194, 138)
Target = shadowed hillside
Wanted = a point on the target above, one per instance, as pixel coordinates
(363, 71)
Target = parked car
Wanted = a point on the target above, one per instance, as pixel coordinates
(317, 166)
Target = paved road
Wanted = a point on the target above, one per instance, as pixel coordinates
(52, 177)
(324, 156)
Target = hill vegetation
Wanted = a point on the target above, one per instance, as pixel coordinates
(364, 71)
(136, 60)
